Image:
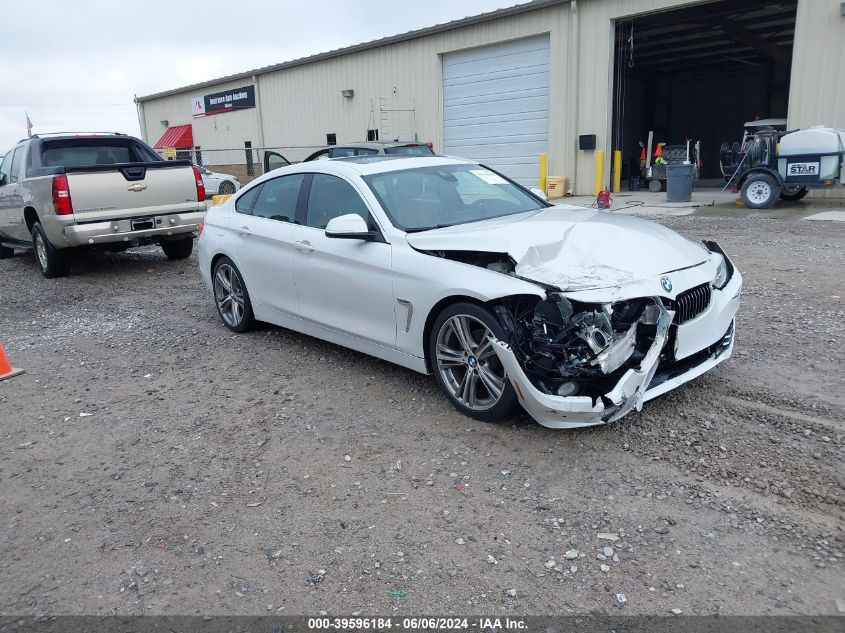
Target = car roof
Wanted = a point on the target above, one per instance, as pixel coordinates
(377, 144)
(367, 165)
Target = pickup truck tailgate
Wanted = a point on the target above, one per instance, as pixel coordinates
(117, 192)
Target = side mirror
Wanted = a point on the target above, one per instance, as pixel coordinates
(539, 193)
(349, 227)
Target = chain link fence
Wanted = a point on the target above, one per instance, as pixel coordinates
(245, 163)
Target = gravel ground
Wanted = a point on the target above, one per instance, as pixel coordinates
(153, 463)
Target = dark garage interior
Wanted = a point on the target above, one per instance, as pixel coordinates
(699, 73)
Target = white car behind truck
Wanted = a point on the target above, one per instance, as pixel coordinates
(64, 192)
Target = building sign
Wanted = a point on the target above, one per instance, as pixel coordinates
(169, 152)
(226, 101)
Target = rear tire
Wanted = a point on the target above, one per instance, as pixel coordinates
(793, 193)
(178, 249)
(5, 252)
(51, 261)
(231, 296)
(465, 366)
(226, 188)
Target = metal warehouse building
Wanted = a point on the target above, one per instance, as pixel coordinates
(562, 77)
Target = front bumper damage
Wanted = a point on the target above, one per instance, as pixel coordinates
(559, 412)
(630, 392)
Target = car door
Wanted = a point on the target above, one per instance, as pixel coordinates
(343, 284)
(263, 225)
(11, 197)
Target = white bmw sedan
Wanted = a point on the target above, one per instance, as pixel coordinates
(446, 267)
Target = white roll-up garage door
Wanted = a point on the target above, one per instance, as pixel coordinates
(496, 106)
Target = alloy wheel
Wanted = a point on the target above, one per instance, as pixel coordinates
(468, 364)
(229, 295)
(41, 251)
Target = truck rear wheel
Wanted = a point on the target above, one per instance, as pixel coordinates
(178, 249)
(795, 192)
(760, 191)
(51, 261)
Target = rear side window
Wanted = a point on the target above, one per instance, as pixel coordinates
(246, 200)
(409, 150)
(6, 167)
(85, 155)
(17, 159)
(278, 198)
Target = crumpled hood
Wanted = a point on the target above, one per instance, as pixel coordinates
(572, 248)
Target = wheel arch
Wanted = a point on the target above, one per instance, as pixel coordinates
(759, 170)
(445, 302)
(30, 216)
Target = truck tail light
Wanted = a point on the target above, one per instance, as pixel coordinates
(200, 184)
(61, 196)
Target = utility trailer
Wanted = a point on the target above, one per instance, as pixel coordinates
(786, 165)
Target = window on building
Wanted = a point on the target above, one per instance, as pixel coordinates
(331, 138)
(372, 135)
(250, 163)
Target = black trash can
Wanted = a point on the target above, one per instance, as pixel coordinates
(634, 183)
(679, 183)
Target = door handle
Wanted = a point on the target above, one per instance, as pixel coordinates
(244, 230)
(305, 246)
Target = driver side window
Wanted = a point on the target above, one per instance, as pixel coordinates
(331, 197)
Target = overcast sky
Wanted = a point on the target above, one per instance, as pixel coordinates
(76, 66)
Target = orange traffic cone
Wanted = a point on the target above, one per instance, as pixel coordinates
(642, 154)
(6, 370)
(658, 153)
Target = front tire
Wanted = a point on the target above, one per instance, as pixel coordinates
(51, 261)
(178, 249)
(6, 252)
(231, 296)
(760, 191)
(466, 366)
(795, 192)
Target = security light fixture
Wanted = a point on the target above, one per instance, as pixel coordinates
(348, 93)
(164, 122)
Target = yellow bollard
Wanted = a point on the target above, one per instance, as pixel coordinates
(544, 163)
(617, 170)
(599, 171)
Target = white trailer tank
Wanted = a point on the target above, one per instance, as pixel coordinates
(814, 154)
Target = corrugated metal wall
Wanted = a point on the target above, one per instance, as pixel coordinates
(817, 87)
(301, 104)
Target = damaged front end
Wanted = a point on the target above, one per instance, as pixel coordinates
(575, 364)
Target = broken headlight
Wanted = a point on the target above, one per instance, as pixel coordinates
(722, 277)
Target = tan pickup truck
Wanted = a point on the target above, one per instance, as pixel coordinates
(64, 192)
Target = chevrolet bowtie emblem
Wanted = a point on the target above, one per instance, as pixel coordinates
(137, 187)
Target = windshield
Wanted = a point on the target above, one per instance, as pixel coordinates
(409, 150)
(433, 197)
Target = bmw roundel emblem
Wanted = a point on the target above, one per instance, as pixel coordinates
(666, 283)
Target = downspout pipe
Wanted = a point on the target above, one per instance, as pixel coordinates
(142, 119)
(573, 91)
(260, 112)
